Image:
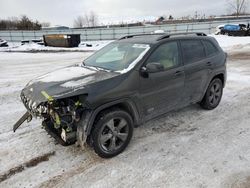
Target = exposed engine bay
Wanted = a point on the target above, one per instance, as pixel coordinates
(60, 117)
(59, 98)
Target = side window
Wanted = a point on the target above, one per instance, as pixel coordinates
(210, 48)
(167, 54)
(193, 51)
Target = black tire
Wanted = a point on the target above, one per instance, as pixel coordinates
(213, 95)
(112, 132)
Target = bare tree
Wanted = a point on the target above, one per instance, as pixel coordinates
(93, 19)
(88, 20)
(26, 23)
(86, 16)
(79, 21)
(237, 6)
(22, 23)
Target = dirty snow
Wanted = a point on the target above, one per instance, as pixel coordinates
(190, 147)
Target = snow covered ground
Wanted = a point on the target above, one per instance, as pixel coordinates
(33, 47)
(186, 148)
(231, 44)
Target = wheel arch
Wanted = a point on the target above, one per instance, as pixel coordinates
(219, 75)
(124, 104)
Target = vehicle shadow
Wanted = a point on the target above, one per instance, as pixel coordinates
(174, 121)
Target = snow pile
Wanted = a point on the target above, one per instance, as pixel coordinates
(34, 47)
(229, 43)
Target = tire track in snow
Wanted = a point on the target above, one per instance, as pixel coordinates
(31, 163)
(59, 180)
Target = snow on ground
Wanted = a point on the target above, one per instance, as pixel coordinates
(33, 47)
(229, 43)
(190, 147)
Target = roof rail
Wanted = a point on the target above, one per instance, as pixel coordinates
(176, 34)
(137, 35)
(162, 35)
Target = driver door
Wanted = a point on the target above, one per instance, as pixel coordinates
(162, 91)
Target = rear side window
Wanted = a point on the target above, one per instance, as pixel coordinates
(193, 51)
(210, 48)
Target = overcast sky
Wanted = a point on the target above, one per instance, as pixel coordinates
(63, 12)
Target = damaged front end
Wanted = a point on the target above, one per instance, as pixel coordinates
(61, 117)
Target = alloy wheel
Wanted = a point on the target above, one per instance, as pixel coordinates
(215, 94)
(113, 134)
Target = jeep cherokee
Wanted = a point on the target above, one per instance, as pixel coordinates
(125, 84)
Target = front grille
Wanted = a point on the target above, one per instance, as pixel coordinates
(28, 104)
(25, 101)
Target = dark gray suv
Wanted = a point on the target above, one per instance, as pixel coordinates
(125, 84)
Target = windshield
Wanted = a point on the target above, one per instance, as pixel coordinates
(117, 56)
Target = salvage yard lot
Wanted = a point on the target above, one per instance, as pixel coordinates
(186, 148)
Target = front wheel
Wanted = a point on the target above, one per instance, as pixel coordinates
(213, 95)
(112, 133)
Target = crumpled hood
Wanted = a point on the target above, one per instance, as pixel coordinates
(65, 82)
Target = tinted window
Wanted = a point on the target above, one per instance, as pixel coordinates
(210, 48)
(166, 54)
(193, 51)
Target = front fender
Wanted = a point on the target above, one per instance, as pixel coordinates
(86, 123)
(82, 128)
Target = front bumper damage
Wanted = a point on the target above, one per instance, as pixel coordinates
(67, 140)
(65, 120)
(27, 116)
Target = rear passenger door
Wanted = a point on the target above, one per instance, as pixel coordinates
(197, 69)
(212, 53)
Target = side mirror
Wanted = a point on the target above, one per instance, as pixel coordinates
(152, 68)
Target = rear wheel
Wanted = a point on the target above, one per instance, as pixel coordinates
(112, 133)
(213, 95)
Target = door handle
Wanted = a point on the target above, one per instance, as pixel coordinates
(209, 64)
(178, 73)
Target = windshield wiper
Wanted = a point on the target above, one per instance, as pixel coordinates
(95, 67)
(101, 69)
